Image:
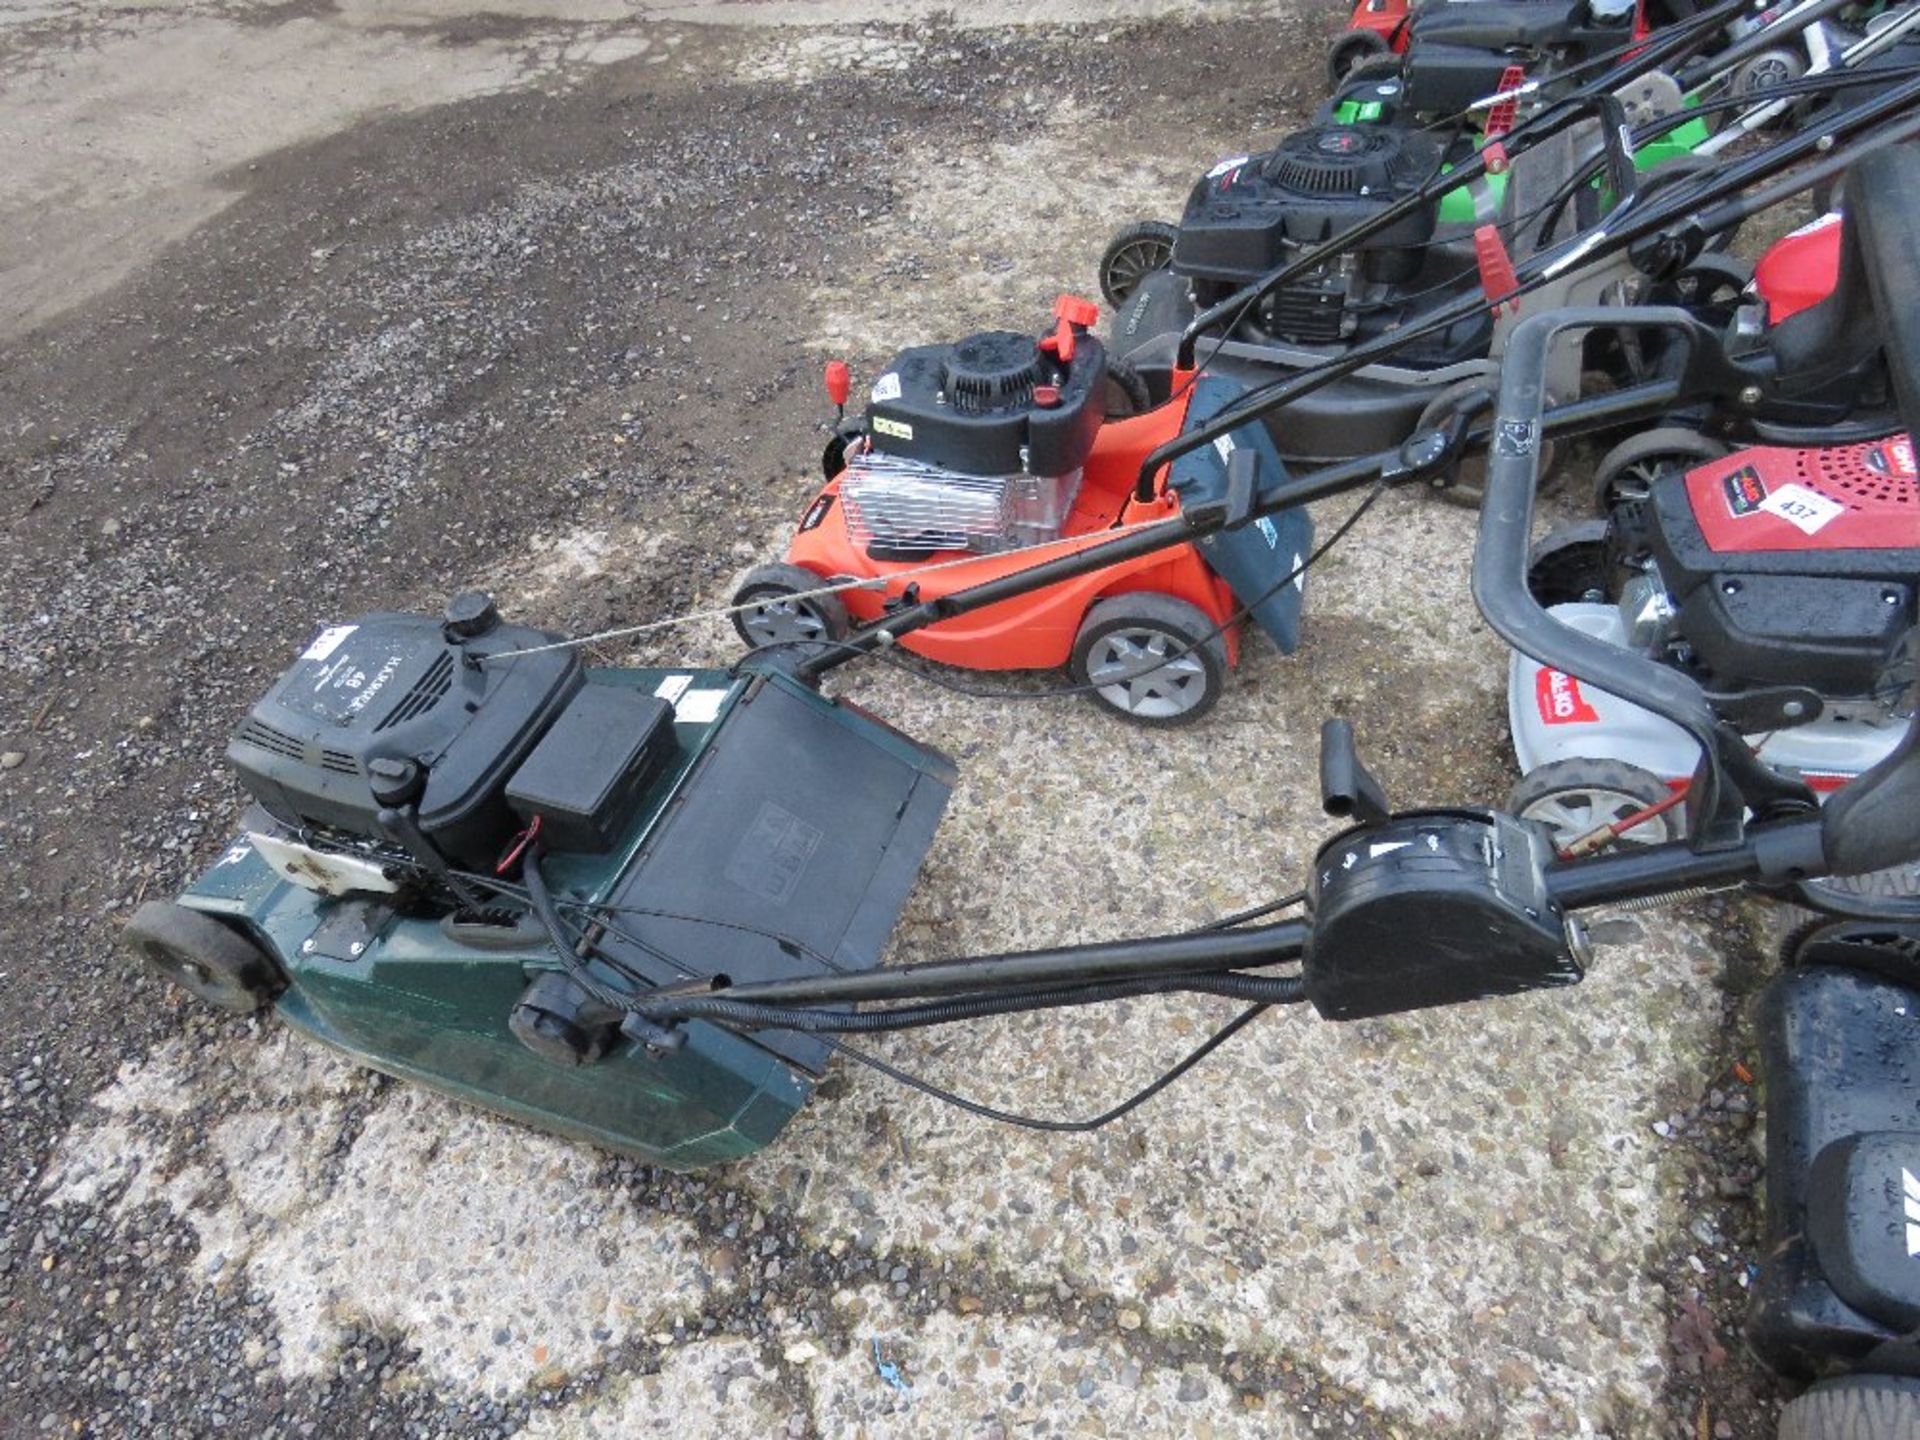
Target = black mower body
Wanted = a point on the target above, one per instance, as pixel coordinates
(1840, 1049)
(1457, 50)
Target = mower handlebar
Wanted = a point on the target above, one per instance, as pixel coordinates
(1729, 780)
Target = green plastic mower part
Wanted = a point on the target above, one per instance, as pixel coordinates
(395, 993)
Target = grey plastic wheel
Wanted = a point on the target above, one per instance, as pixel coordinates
(1628, 471)
(1767, 71)
(1135, 252)
(216, 965)
(775, 617)
(1855, 1407)
(1153, 659)
(1574, 797)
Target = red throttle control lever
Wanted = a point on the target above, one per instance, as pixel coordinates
(1500, 119)
(1071, 315)
(1497, 278)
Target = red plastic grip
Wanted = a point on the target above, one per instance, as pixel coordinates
(839, 382)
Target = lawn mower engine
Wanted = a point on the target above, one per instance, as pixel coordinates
(977, 445)
(385, 752)
(1777, 571)
(1249, 216)
(1783, 580)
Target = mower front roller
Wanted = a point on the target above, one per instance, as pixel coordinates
(211, 961)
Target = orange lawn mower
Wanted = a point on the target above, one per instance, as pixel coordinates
(978, 461)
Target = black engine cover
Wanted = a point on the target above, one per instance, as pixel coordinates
(1457, 51)
(1241, 222)
(1829, 618)
(1836, 635)
(992, 404)
(399, 687)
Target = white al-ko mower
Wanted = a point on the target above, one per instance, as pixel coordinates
(1784, 581)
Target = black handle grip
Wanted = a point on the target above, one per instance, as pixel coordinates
(1347, 789)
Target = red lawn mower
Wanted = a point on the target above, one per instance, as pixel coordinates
(977, 461)
(1465, 44)
(982, 462)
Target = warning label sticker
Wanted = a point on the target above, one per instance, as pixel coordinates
(327, 641)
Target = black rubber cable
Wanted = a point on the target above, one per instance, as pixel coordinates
(808, 1020)
(1059, 1127)
(1133, 1102)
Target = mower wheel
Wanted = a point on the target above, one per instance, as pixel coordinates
(1876, 946)
(1127, 392)
(1466, 482)
(1627, 471)
(1855, 1407)
(1569, 564)
(1890, 894)
(1575, 797)
(1712, 287)
(1384, 66)
(1150, 659)
(1711, 282)
(1135, 252)
(209, 960)
(1767, 71)
(1350, 50)
(775, 617)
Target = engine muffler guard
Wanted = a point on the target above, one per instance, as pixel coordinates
(781, 840)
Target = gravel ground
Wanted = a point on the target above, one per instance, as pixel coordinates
(352, 307)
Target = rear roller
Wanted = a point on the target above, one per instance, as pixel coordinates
(216, 965)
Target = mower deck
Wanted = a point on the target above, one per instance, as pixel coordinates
(779, 839)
